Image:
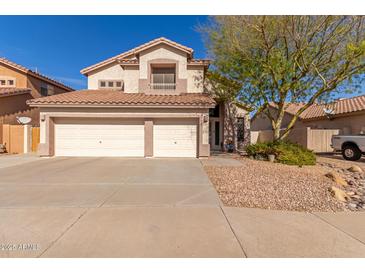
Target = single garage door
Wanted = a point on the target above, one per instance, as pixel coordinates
(174, 138)
(99, 137)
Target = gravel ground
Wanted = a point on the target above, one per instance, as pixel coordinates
(339, 161)
(262, 184)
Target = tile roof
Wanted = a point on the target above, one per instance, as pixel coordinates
(128, 61)
(341, 106)
(13, 91)
(291, 108)
(119, 98)
(135, 50)
(34, 74)
(204, 62)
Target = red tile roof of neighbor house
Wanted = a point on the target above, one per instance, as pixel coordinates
(131, 53)
(34, 73)
(118, 98)
(291, 108)
(340, 106)
(13, 91)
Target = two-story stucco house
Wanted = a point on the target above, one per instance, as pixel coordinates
(19, 84)
(146, 102)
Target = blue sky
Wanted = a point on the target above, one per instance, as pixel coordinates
(60, 46)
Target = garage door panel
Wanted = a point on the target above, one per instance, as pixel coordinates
(99, 137)
(175, 138)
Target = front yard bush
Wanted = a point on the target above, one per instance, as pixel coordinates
(285, 152)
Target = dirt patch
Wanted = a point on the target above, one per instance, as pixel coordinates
(266, 185)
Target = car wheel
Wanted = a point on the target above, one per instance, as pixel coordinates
(351, 153)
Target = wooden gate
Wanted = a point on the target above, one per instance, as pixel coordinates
(319, 140)
(13, 138)
(35, 138)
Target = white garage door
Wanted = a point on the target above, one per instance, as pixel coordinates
(174, 138)
(99, 137)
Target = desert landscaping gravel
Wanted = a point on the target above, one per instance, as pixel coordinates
(262, 184)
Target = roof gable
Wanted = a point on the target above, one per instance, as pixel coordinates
(135, 51)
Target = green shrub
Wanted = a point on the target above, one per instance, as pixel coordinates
(259, 149)
(285, 152)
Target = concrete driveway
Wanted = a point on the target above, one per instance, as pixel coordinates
(117, 207)
(112, 207)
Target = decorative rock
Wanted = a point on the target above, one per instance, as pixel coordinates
(339, 194)
(352, 206)
(2, 148)
(356, 169)
(356, 177)
(336, 178)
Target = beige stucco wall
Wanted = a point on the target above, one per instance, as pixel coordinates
(261, 122)
(111, 72)
(195, 79)
(13, 106)
(131, 75)
(350, 124)
(35, 84)
(21, 78)
(162, 52)
(149, 114)
(347, 124)
(42, 128)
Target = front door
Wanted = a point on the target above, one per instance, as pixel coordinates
(215, 133)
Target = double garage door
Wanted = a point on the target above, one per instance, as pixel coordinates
(124, 137)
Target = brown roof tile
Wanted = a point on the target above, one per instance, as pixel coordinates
(34, 74)
(341, 106)
(199, 62)
(291, 108)
(204, 62)
(119, 98)
(128, 61)
(13, 91)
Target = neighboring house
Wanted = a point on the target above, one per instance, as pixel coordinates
(19, 84)
(146, 102)
(346, 115)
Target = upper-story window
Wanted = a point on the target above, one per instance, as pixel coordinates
(6, 81)
(46, 90)
(163, 77)
(111, 84)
